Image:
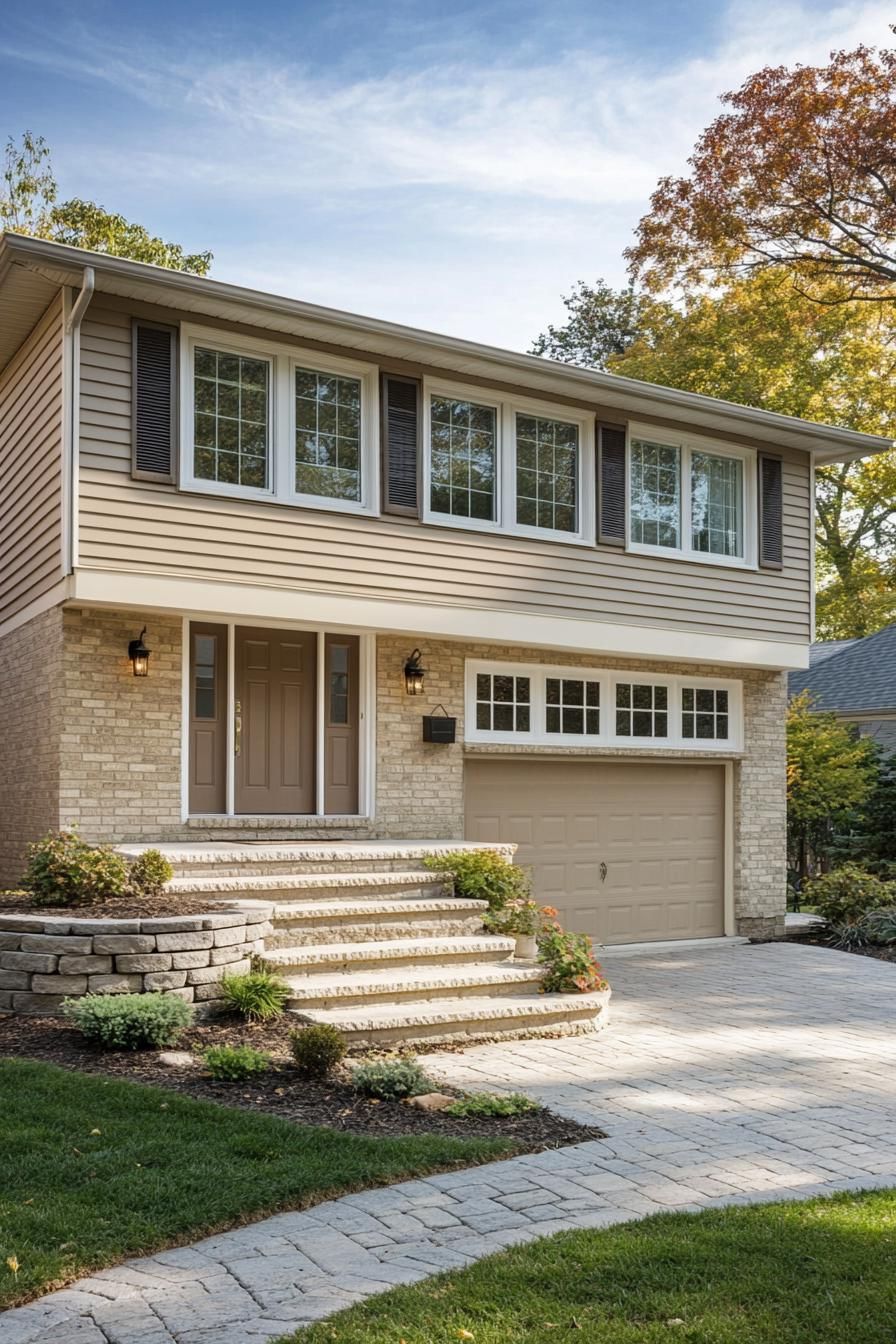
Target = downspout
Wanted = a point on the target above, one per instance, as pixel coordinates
(73, 414)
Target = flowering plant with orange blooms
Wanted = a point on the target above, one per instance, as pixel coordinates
(571, 964)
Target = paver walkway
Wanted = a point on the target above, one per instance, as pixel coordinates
(729, 1074)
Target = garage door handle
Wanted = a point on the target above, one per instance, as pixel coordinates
(603, 870)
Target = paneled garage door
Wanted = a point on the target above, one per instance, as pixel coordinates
(626, 852)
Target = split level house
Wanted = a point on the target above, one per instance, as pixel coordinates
(394, 586)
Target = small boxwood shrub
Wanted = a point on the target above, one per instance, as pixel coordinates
(845, 894)
(392, 1079)
(317, 1049)
(482, 875)
(149, 873)
(235, 1063)
(258, 996)
(489, 1104)
(62, 869)
(130, 1021)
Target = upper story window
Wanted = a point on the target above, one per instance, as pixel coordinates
(510, 466)
(464, 439)
(540, 704)
(232, 419)
(268, 422)
(690, 500)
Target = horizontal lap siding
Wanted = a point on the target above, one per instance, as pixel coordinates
(31, 467)
(201, 536)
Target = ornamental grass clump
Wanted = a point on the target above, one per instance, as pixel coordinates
(258, 996)
(482, 875)
(130, 1021)
(317, 1049)
(235, 1063)
(392, 1079)
(570, 961)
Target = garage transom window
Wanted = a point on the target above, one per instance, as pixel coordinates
(642, 709)
(548, 705)
(503, 703)
(704, 713)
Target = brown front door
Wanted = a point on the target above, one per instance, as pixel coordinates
(275, 691)
(208, 718)
(341, 725)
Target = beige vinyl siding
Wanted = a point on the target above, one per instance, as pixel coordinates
(31, 467)
(207, 537)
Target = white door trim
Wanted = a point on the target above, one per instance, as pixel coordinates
(366, 717)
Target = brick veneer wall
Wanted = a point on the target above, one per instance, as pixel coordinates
(46, 958)
(420, 785)
(30, 712)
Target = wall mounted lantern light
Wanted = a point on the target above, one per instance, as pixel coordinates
(414, 674)
(139, 655)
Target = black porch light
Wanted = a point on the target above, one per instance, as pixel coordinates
(139, 655)
(414, 674)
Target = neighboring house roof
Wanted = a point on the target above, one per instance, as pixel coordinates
(32, 270)
(851, 675)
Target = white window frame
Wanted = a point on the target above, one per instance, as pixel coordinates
(687, 444)
(507, 409)
(283, 361)
(538, 735)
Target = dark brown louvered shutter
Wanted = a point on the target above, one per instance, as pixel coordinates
(771, 511)
(154, 401)
(611, 485)
(401, 445)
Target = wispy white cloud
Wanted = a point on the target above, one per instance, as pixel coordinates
(510, 162)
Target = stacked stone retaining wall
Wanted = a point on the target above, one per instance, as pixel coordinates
(47, 958)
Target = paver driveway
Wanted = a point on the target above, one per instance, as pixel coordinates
(729, 1074)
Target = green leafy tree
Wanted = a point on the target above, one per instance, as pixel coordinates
(762, 343)
(831, 772)
(29, 204)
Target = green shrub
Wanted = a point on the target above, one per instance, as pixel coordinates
(64, 870)
(519, 917)
(317, 1049)
(392, 1079)
(258, 996)
(488, 1104)
(845, 894)
(482, 875)
(880, 926)
(570, 961)
(129, 1021)
(234, 1063)
(149, 873)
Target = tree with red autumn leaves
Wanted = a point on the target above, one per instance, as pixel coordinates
(799, 174)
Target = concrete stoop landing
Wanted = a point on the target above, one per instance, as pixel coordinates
(370, 940)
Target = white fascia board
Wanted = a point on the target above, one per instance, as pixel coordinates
(170, 593)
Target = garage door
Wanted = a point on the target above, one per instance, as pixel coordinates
(626, 852)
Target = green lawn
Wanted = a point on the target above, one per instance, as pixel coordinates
(820, 1272)
(93, 1170)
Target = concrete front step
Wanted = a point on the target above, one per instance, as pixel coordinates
(323, 856)
(355, 957)
(292, 888)
(306, 922)
(411, 984)
(524, 1014)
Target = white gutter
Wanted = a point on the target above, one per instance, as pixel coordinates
(72, 418)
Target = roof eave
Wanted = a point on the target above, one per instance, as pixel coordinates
(826, 443)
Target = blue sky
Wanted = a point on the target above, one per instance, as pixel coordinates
(457, 166)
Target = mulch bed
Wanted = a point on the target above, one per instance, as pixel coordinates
(816, 940)
(282, 1091)
(122, 907)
